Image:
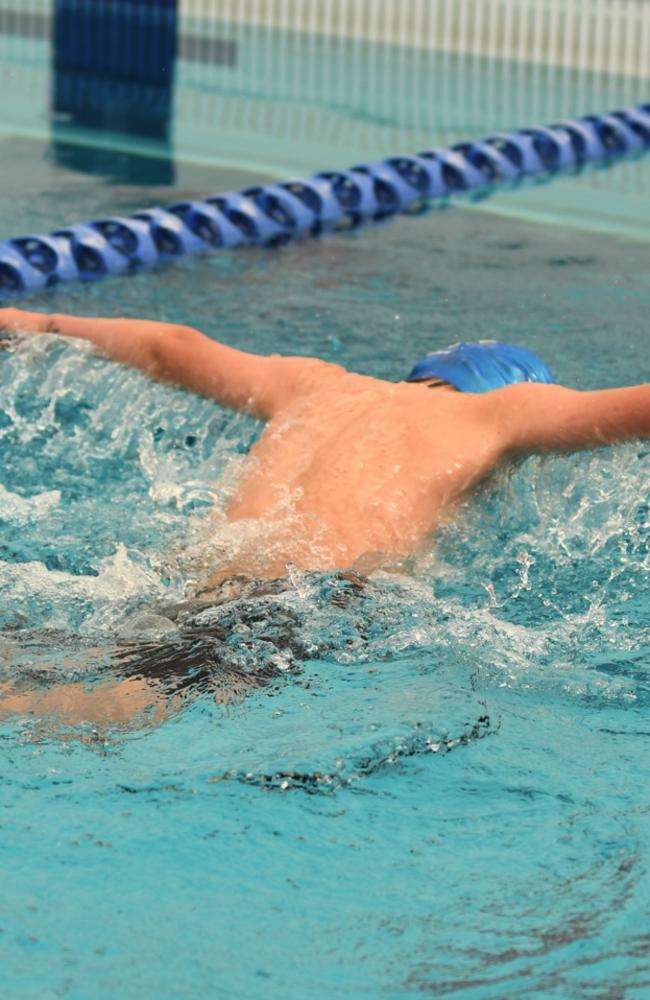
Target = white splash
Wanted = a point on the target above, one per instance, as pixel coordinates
(19, 510)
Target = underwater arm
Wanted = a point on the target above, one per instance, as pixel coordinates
(181, 356)
(537, 417)
(118, 703)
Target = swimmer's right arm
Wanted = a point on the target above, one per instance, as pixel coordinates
(184, 357)
(538, 417)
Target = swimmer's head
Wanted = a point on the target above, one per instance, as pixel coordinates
(481, 367)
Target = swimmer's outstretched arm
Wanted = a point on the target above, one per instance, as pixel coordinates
(537, 417)
(255, 383)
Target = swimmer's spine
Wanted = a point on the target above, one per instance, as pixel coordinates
(273, 214)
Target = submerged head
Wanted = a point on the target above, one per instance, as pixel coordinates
(481, 366)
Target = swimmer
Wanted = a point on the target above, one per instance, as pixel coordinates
(374, 466)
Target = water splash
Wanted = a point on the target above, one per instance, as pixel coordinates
(538, 585)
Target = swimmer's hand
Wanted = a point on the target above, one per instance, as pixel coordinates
(13, 321)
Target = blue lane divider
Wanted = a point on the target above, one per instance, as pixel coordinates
(272, 214)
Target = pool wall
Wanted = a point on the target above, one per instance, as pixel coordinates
(611, 36)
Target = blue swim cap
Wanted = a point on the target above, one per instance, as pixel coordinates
(482, 366)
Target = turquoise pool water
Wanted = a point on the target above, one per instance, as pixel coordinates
(449, 798)
(473, 820)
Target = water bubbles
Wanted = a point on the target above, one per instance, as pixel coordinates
(19, 510)
(145, 626)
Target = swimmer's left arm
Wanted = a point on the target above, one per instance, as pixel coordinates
(258, 384)
(538, 417)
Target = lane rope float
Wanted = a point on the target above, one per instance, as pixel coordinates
(271, 215)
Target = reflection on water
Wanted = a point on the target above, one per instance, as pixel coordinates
(113, 70)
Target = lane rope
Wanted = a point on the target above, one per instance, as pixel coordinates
(273, 214)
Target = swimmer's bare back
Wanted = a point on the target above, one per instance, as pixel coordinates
(366, 465)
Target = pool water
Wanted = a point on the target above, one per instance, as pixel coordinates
(440, 790)
(448, 797)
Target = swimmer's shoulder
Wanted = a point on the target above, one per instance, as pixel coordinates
(290, 378)
(305, 371)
